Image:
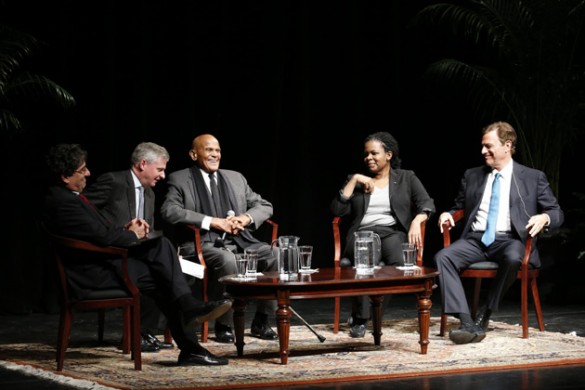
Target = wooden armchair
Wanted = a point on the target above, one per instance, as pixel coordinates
(487, 269)
(337, 261)
(127, 297)
(201, 260)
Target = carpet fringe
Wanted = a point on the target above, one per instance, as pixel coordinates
(36, 372)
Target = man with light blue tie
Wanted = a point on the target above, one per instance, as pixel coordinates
(504, 203)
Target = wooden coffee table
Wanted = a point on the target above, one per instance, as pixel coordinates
(330, 283)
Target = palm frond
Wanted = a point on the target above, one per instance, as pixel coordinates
(15, 47)
(19, 88)
(27, 86)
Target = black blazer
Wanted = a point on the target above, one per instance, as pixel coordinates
(66, 214)
(114, 194)
(408, 197)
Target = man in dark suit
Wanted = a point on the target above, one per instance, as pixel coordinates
(117, 195)
(189, 200)
(153, 264)
(495, 227)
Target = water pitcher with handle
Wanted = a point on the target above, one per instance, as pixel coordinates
(287, 253)
(367, 250)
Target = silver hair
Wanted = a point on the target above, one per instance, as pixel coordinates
(149, 151)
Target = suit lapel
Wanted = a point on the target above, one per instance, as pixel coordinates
(131, 194)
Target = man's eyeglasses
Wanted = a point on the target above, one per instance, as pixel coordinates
(82, 171)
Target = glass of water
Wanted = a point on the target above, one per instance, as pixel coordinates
(251, 255)
(305, 255)
(241, 267)
(409, 255)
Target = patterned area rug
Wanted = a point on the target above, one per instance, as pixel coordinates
(339, 358)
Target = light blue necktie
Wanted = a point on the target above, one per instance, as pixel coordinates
(140, 213)
(492, 219)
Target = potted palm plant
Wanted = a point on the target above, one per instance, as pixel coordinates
(519, 60)
(19, 87)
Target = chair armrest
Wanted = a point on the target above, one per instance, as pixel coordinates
(197, 243)
(87, 246)
(527, 251)
(336, 240)
(78, 244)
(419, 256)
(274, 225)
(457, 216)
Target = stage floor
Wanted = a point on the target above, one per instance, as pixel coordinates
(558, 318)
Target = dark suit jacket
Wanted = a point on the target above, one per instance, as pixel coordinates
(114, 194)
(408, 198)
(66, 214)
(530, 194)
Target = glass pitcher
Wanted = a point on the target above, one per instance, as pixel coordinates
(367, 250)
(287, 254)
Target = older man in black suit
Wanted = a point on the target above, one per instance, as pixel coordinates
(152, 264)
(504, 203)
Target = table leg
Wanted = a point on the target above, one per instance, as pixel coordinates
(283, 315)
(239, 307)
(424, 315)
(377, 317)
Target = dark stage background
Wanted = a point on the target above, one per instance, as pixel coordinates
(290, 88)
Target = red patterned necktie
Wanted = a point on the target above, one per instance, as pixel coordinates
(84, 198)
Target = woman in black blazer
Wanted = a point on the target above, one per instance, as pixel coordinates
(389, 201)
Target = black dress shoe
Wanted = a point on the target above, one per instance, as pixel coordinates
(201, 357)
(358, 330)
(262, 330)
(483, 319)
(223, 333)
(208, 311)
(467, 334)
(153, 340)
(358, 327)
(147, 346)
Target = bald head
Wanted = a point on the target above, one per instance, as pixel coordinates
(206, 152)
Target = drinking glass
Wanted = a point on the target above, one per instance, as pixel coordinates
(241, 267)
(305, 254)
(409, 255)
(251, 255)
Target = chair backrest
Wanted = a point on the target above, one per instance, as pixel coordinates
(337, 242)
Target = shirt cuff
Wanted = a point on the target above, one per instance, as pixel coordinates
(251, 219)
(206, 223)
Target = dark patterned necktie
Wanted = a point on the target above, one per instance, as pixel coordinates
(214, 194)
